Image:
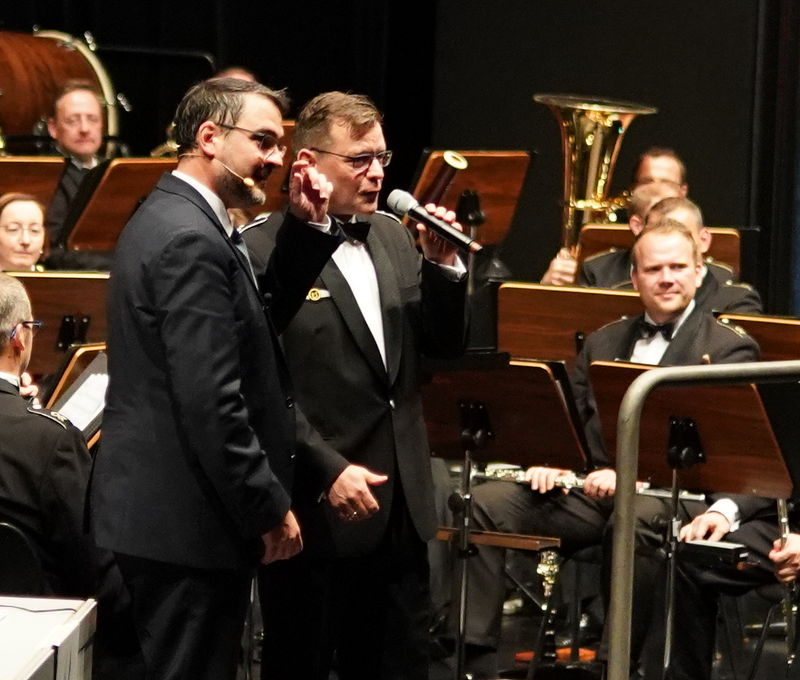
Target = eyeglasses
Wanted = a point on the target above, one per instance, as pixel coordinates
(265, 140)
(35, 325)
(363, 160)
(13, 229)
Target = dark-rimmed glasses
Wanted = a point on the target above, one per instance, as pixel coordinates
(33, 324)
(265, 140)
(363, 160)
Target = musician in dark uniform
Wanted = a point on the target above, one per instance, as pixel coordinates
(656, 165)
(717, 292)
(44, 471)
(672, 331)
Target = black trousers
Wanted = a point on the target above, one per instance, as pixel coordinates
(189, 621)
(372, 611)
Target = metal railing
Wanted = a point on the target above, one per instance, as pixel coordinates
(628, 423)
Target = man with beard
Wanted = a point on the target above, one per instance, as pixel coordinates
(191, 488)
(360, 589)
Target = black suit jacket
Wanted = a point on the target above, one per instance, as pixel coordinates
(701, 334)
(44, 471)
(362, 412)
(717, 292)
(198, 433)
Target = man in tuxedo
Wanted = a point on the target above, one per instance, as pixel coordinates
(657, 164)
(192, 486)
(671, 331)
(360, 588)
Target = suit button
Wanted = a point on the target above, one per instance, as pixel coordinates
(292, 455)
(289, 402)
(391, 403)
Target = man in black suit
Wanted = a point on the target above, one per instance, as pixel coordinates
(44, 472)
(360, 588)
(191, 488)
(672, 331)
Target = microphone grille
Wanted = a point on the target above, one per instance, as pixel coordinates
(400, 202)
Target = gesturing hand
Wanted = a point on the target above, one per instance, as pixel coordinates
(309, 192)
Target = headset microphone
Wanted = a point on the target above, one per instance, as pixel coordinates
(247, 181)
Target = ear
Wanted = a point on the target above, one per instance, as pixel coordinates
(704, 240)
(51, 127)
(684, 190)
(17, 342)
(698, 278)
(207, 135)
(635, 278)
(307, 155)
(636, 224)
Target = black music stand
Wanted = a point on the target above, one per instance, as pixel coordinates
(740, 450)
(474, 411)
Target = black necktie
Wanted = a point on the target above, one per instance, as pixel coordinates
(648, 330)
(238, 241)
(356, 230)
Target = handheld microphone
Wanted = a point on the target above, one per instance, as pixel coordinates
(402, 203)
(247, 181)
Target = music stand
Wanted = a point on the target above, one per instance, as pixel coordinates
(73, 308)
(741, 452)
(538, 321)
(541, 433)
(37, 175)
(777, 336)
(106, 199)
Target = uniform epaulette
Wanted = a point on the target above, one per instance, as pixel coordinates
(736, 328)
(388, 214)
(624, 317)
(738, 284)
(722, 265)
(601, 254)
(55, 416)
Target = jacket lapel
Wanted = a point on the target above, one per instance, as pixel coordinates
(345, 302)
(680, 349)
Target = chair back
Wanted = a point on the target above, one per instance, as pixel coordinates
(21, 570)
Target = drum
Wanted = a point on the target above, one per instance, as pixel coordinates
(33, 68)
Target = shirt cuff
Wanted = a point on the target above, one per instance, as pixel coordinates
(454, 272)
(322, 226)
(728, 509)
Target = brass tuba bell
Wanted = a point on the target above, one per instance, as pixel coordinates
(591, 135)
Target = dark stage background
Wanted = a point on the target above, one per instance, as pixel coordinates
(724, 76)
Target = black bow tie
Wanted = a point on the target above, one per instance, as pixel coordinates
(356, 230)
(648, 330)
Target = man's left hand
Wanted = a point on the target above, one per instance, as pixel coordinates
(787, 558)
(600, 483)
(434, 247)
(309, 193)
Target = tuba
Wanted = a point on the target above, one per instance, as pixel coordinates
(591, 135)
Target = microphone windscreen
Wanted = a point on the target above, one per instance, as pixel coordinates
(400, 202)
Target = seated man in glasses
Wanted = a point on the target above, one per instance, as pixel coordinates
(44, 470)
(360, 587)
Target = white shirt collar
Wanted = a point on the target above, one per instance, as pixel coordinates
(10, 377)
(214, 201)
(679, 321)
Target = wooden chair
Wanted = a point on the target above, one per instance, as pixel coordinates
(778, 336)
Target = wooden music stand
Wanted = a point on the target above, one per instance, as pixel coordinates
(76, 362)
(742, 453)
(597, 238)
(529, 409)
(778, 336)
(73, 308)
(106, 199)
(497, 177)
(537, 321)
(37, 175)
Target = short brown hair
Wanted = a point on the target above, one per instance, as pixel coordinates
(655, 151)
(219, 100)
(645, 196)
(666, 226)
(667, 205)
(75, 85)
(313, 125)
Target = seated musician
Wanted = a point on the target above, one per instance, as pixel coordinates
(44, 471)
(671, 331)
(655, 165)
(76, 126)
(22, 232)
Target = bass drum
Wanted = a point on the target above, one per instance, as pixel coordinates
(33, 68)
